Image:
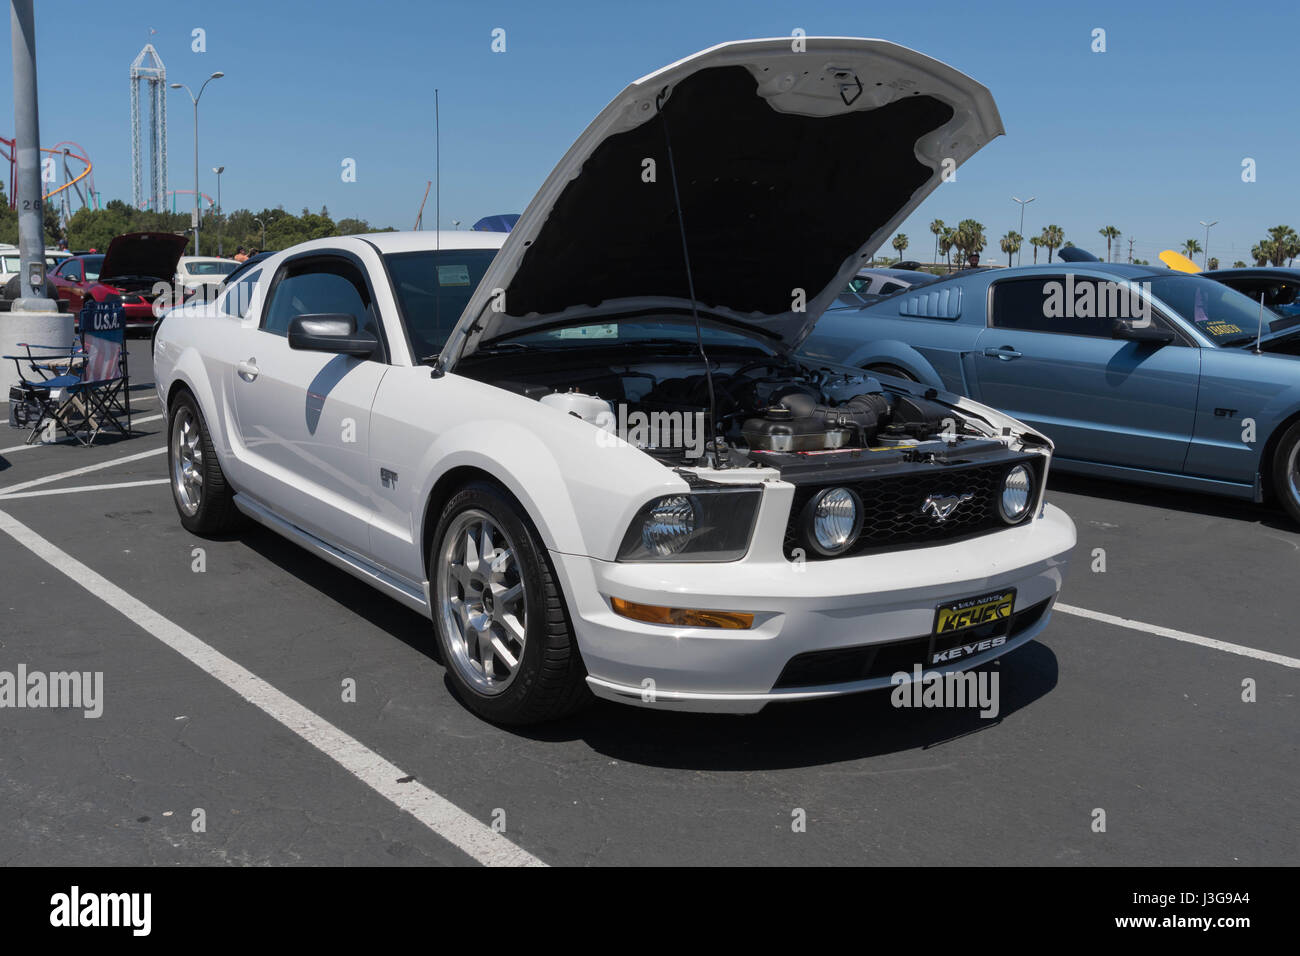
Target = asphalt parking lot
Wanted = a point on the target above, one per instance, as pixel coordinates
(1145, 720)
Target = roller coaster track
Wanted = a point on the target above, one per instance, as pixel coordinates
(70, 151)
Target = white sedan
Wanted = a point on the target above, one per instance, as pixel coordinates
(586, 450)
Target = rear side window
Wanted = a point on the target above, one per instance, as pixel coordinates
(240, 295)
(318, 286)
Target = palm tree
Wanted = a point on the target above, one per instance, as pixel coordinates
(937, 227)
(970, 238)
(1110, 232)
(1053, 237)
(900, 243)
(1239, 264)
(1010, 244)
(1037, 243)
(1262, 252)
(1191, 247)
(947, 240)
(1213, 263)
(1284, 244)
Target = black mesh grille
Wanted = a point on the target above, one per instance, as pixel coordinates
(844, 665)
(892, 506)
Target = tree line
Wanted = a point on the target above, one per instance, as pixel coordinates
(95, 228)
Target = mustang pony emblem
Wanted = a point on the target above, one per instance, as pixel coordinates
(943, 505)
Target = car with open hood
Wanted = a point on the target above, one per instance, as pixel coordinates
(1136, 373)
(590, 455)
(137, 267)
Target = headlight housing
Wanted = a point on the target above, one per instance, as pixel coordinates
(1017, 494)
(700, 525)
(834, 519)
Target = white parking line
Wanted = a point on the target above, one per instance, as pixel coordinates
(1181, 636)
(434, 811)
(78, 489)
(65, 440)
(23, 485)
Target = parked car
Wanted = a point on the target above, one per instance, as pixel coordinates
(202, 275)
(138, 267)
(10, 263)
(508, 433)
(1280, 287)
(1177, 396)
(871, 285)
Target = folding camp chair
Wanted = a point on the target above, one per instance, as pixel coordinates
(83, 393)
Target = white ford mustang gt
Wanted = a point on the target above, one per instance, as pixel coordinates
(585, 449)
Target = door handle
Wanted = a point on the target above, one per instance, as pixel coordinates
(248, 369)
(1006, 353)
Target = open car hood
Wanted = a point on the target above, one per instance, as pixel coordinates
(793, 167)
(152, 254)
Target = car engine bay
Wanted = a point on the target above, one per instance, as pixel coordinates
(771, 412)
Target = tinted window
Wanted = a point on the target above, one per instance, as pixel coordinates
(71, 271)
(891, 287)
(315, 287)
(211, 268)
(240, 295)
(433, 289)
(93, 265)
(1080, 306)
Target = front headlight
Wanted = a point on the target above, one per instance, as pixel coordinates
(711, 525)
(1017, 492)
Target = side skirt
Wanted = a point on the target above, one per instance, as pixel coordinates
(417, 599)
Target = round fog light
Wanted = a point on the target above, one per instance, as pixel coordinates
(669, 525)
(1017, 489)
(836, 520)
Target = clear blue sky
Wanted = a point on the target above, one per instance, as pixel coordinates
(1148, 136)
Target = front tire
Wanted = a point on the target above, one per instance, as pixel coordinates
(1286, 471)
(203, 498)
(498, 613)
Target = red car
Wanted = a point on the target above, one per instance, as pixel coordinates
(131, 268)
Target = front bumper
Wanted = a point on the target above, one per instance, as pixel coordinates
(820, 606)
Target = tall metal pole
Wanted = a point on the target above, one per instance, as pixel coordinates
(219, 170)
(1207, 226)
(27, 146)
(1023, 204)
(195, 99)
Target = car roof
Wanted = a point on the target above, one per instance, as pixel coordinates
(909, 274)
(423, 241)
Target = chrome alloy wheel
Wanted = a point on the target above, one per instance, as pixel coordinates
(482, 602)
(187, 461)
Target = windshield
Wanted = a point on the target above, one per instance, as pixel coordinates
(223, 268)
(646, 333)
(433, 289)
(92, 265)
(1221, 314)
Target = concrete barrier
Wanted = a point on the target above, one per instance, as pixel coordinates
(38, 328)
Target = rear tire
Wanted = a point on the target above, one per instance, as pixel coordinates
(500, 619)
(1286, 471)
(204, 499)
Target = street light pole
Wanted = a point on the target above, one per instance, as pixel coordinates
(195, 99)
(27, 191)
(219, 170)
(263, 225)
(1207, 226)
(1023, 204)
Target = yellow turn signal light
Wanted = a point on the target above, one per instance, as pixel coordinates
(682, 616)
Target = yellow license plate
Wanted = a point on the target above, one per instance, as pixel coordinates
(972, 612)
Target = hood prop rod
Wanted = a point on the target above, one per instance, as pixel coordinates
(712, 440)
